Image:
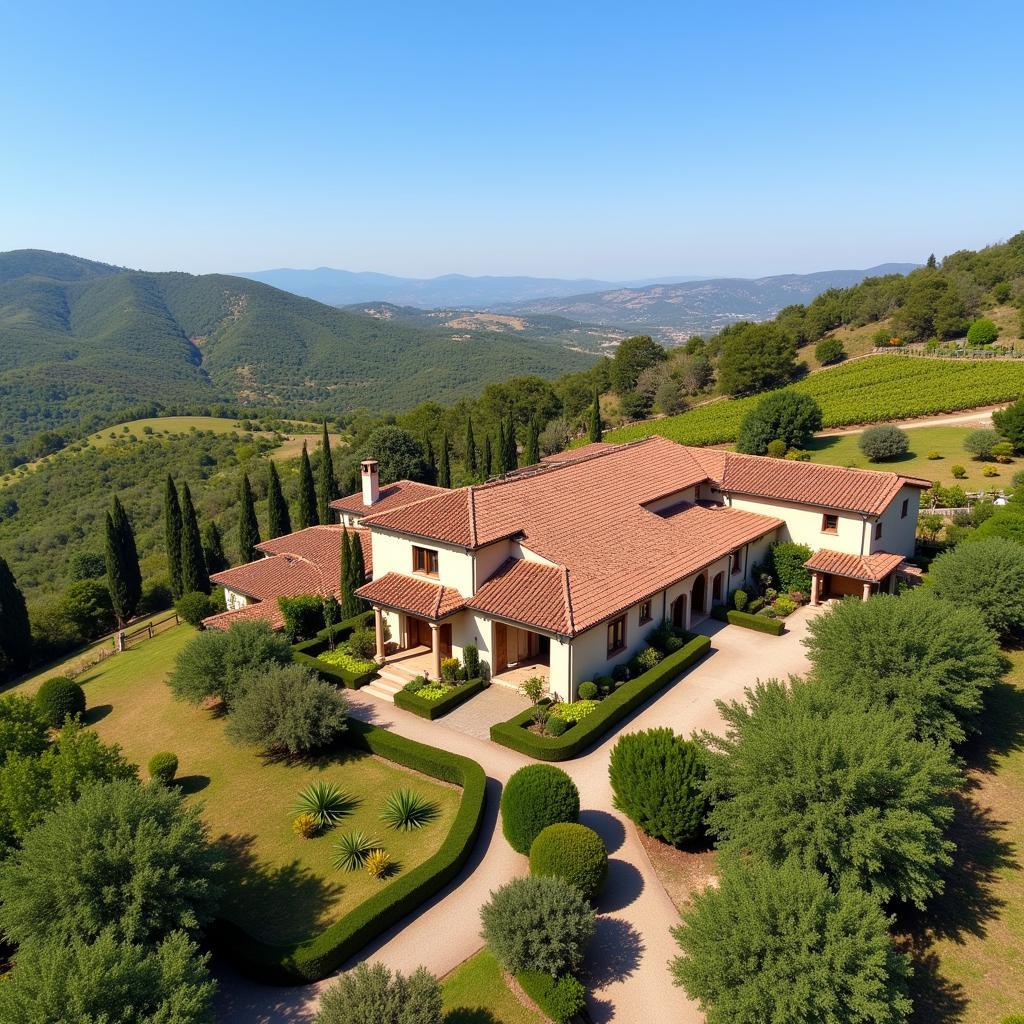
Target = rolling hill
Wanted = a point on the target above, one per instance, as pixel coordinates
(79, 339)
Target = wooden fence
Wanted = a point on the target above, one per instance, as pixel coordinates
(147, 632)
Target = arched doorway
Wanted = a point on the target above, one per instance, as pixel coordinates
(717, 588)
(699, 594)
(679, 612)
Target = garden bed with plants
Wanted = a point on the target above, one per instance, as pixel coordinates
(552, 731)
(459, 681)
(780, 587)
(342, 654)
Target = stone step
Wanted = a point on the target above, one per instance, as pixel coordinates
(394, 676)
(374, 690)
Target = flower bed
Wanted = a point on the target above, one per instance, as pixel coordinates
(316, 957)
(516, 734)
(339, 658)
(337, 666)
(426, 705)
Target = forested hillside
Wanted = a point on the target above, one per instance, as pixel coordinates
(81, 339)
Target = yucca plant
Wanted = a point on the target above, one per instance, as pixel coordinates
(406, 809)
(378, 863)
(326, 802)
(305, 825)
(352, 850)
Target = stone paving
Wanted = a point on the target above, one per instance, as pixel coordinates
(496, 704)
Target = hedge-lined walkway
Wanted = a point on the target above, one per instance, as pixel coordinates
(629, 979)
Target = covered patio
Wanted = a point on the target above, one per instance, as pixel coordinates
(835, 574)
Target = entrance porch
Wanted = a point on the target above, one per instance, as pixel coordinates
(835, 574)
(519, 654)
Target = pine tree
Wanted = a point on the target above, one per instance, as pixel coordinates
(248, 527)
(306, 514)
(16, 634)
(124, 579)
(194, 576)
(172, 535)
(431, 463)
(444, 472)
(213, 549)
(509, 453)
(596, 430)
(931, 264)
(471, 459)
(531, 454)
(279, 522)
(487, 460)
(328, 484)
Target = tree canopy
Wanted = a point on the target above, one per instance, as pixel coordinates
(786, 416)
(755, 357)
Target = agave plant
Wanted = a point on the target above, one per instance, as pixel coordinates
(378, 863)
(352, 850)
(325, 802)
(406, 809)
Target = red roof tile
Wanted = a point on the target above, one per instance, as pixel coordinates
(410, 594)
(528, 592)
(871, 568)
(267, 611)
(390, 496)
(320, 545)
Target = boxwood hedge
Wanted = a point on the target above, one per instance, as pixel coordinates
(561, 999)
(305, 653)
(609, 711)
(437, 708)
(759, 622)
(316, 957)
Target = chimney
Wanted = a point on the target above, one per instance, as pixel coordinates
(371, 481)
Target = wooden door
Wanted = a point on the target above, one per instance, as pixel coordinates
(446, 639)
(679, 612)
(698, 595)
(500, 647)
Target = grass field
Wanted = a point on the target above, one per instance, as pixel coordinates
(947, 442)
(280, 887)
(476, 993)
(866, 391)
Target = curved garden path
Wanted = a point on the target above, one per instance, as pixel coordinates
(627, 962)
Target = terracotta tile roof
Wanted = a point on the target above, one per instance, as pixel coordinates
(267, 611)
(269, 578)
(870, 568)
(528, 592)
(390, 496)
(572, 454)
(320, 545)
(410, 594)
(854, 490)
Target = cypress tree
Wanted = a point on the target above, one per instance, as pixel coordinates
(471, 460)
(279, 521)
(248, 527)
(345, 578)
(124, 579)
(194, 576)
(502, 447)
(487, 459)
(444, 473)
(510, 457)
(306, 514)
(172, 535)
(531, 456)
(358, 570)
(328, 489)
(431, 463)
(16, 635)
(595, 418)
(213, 548)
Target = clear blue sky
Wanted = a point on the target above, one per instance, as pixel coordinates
(609, 140)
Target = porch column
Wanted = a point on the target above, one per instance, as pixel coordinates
(867, 591)
(815, 588)
(435, 647)
(378, 623)
(892, 583)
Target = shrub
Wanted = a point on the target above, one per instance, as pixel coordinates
(287, 709)
(142, 866)
(958, 471)
(415, 685)
(787, 565)
(303, 616)
(829, 351)
(1003, 452)
(987, 575)
(406, 810)
(305, 825)
(533, 689)
(925, 658)
(1010, 423)
(739, 600)
(793, 925)
(785, 415)
(450, 669)
(379, 864)
(883, 442)
(325, 802)
(933, 455)
(574, 853)
(665, 638)
(982, 332)
(555, 726)
(981, 442)
(775, 449)
(471, 661)
(362, 643)
(648, 658)
(538, 924)
(656, 778)
(783, 606)
(561, 999)
(194, 607)
(163, 767)
(342, 659)
(574, 711)
(588, 690)
(537, 795)
(59, 698)
(372, 993)
(352, 849)
(881, 337)
(804, 772)
(990, 471)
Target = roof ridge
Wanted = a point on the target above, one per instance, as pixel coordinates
(472, 515)
(567, 597)
(443, 492)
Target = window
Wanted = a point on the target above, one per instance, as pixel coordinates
(424, 560)
(737, 562)
(616, 635)
(645, 612)
(829, 523)
(878, 530)
(905, 508)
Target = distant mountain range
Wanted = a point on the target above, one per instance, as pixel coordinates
(678, 310)
(79, 338)
(345, 287)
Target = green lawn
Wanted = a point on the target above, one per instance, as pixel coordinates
(948, 442)
(476, 993)
(280, 887)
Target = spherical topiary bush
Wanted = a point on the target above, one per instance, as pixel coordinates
(163, 767)
(884, 442)
(59, 697)
(587, 690)
(534, 797)
(656, 779)
(572, 852)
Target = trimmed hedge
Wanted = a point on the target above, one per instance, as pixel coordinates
(305, 653)
(432, 709)
(314, 958)
(759, 622)
(560, 999)
(608, 712)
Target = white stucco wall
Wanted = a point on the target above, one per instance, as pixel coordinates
(899, 534)
(669, 500)
(803, 524)
(393, 553)
(233, 600)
